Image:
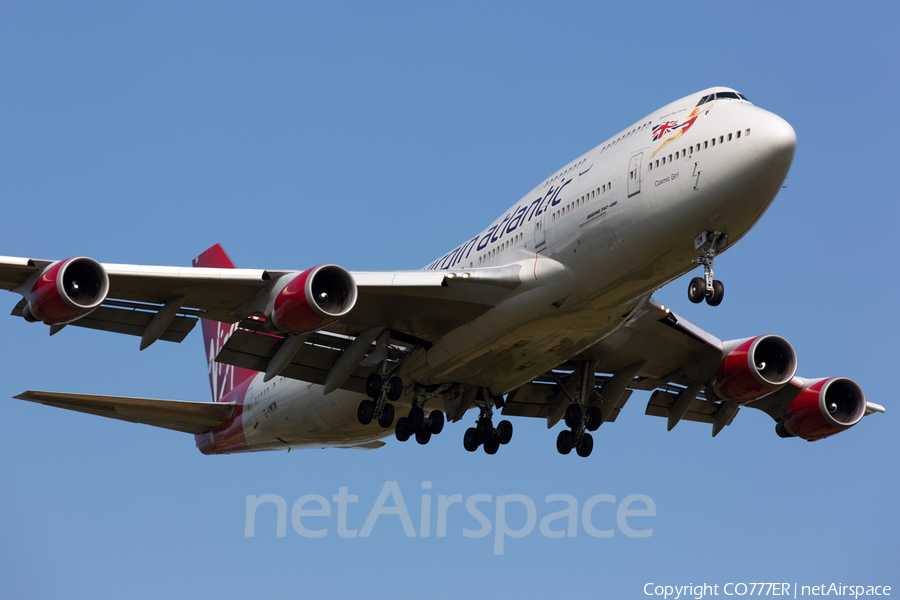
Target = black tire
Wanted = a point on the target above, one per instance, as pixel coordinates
(485, 430)
(470, 439)
(416, 419)
(395, 388)
(386, 418)
(585, 446)
(402, 431)
(594, 418)
(697, 290)
(564, 441)
(717, 295)
(573, 416)
(506, 430)
(437, 422)
(491, 446)
(423, 437)
(373, 385)
(365, 412)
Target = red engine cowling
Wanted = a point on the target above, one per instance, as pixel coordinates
(67, 290)
(755, 368)
(824, 407)
(314, 299)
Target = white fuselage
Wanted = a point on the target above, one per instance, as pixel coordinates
(593, 241)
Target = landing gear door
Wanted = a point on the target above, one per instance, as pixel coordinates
(634, 174)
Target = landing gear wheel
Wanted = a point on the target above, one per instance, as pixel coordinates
(573, 416)
(594, 418)
(395, 388)
(505, 430)
(402, 431)
(697, 290)
(485, 430)
(365, 412)
(416, 419)
(585, 446)
(491, 446)
(718, 292)
(437, 422)
(470, 439)
(423, 437)
(565, 441)
(373, 385)
(386, 418)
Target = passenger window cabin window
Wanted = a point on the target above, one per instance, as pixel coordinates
(721, 139)
(747, 132)
(664, 160)
(738, 135)
(706, 144)
(729, 137)
(714, 141)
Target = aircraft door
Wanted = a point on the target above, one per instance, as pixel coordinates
(634, 174)
(539, 237)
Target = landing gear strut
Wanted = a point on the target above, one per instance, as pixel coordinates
(416, 423)
(484, 433)
(700, 288)
(580, 417)
(380, 391)
(579, 423)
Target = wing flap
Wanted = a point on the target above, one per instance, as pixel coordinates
(253, 350)
(129, 321)
(178, 415)
(700, 410)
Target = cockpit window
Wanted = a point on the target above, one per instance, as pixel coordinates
(722, 96)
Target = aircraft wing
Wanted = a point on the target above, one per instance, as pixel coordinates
(189, 417)
(421, 304)
(655, 349)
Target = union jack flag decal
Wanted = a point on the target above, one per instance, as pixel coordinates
(664, 128)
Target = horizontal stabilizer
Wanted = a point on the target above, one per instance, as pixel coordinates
(189, 417)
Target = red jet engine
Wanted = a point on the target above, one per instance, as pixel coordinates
(67, 290)
(313, 299)
(824, 407)
(754, 369)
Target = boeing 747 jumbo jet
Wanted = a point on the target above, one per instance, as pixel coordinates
(547, 313)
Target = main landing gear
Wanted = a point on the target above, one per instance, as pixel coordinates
(579, 423)
(700, 288)
(417, 424)
(484, 433)
(380, 391)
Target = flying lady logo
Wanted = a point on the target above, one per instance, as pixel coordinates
(676, 128)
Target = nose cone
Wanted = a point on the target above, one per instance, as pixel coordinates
(775, 140)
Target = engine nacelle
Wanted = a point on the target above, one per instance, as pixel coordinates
(754, 369)
(824, 407)
(313, 299)
(67, 290)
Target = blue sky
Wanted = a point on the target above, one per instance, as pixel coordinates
(379, 137)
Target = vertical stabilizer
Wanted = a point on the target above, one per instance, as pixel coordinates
(222, 378)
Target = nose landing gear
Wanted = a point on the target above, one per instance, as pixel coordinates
(700, 288)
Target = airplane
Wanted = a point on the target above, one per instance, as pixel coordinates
(546, 313)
